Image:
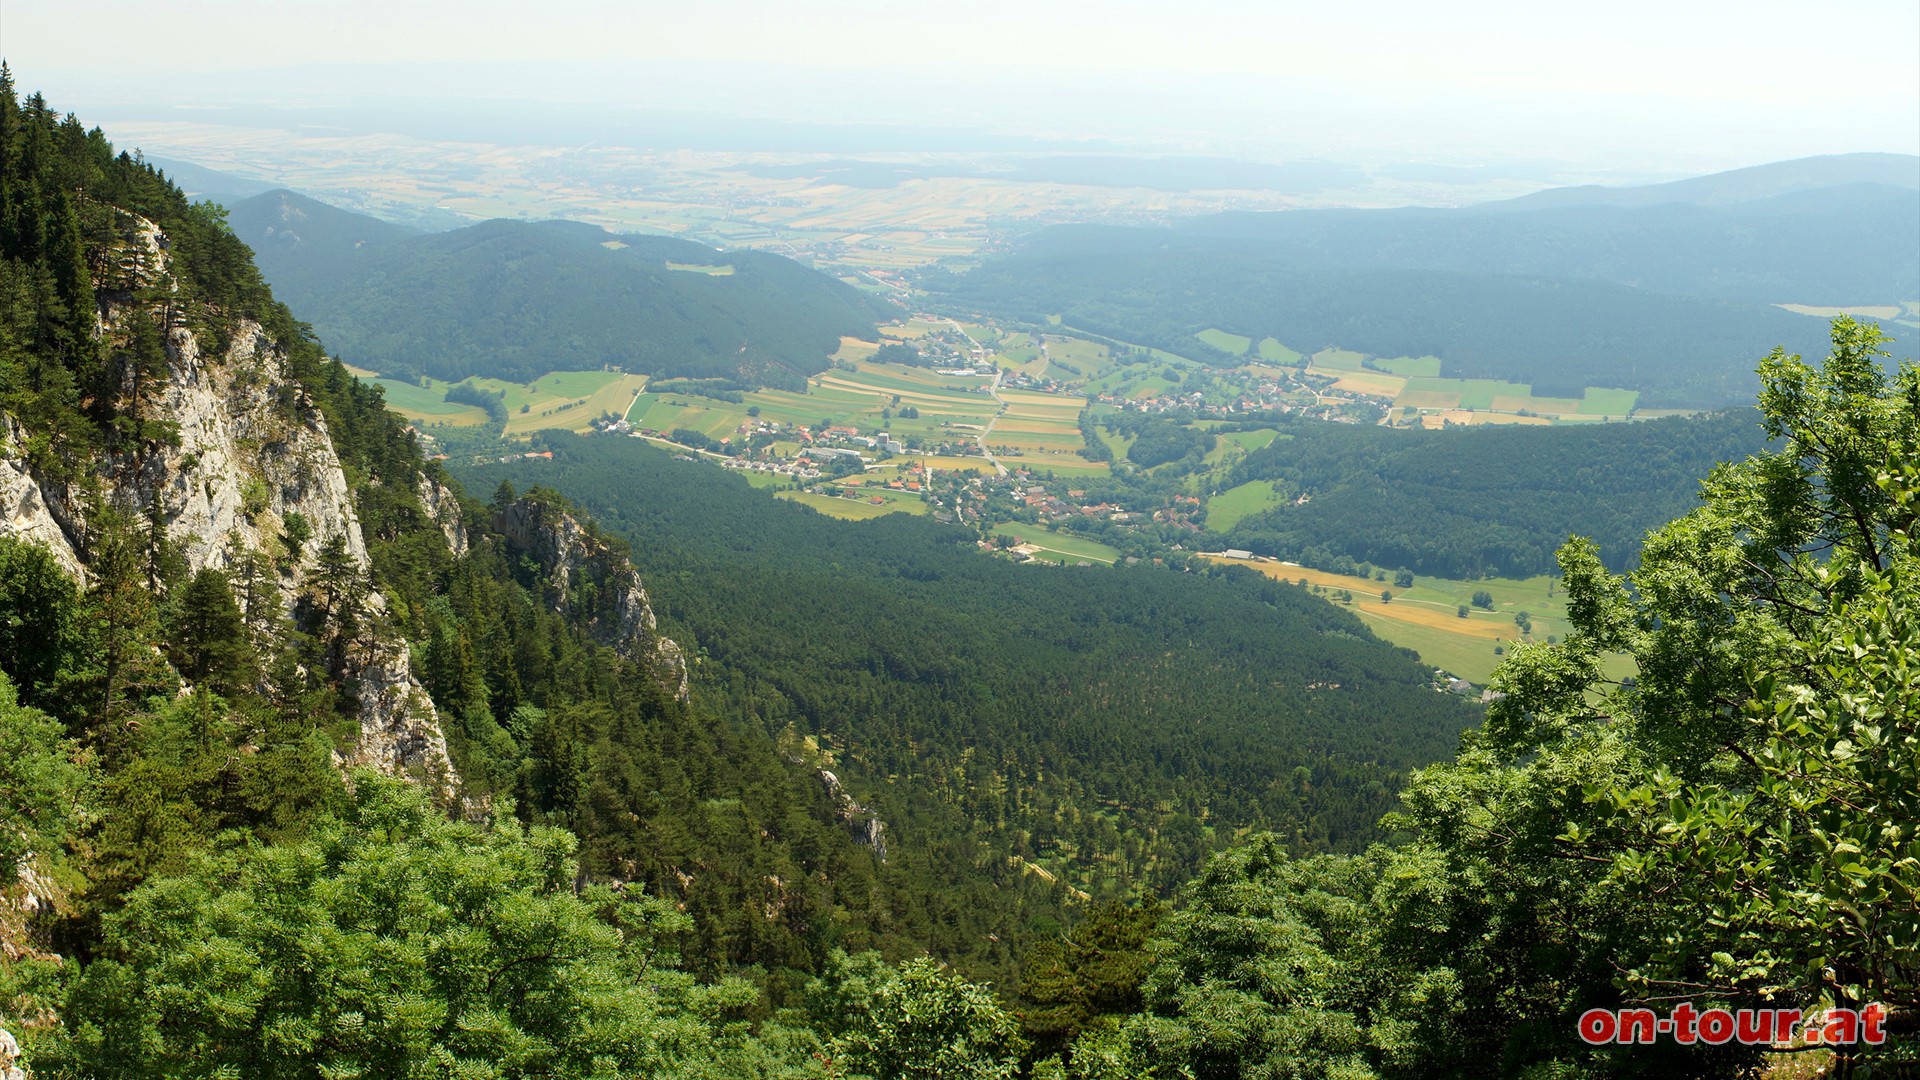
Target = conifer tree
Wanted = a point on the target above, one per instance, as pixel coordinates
(207, 635)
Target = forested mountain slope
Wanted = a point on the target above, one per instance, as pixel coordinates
(1483, 501)
(514, 300)
(1815, 231)
(1112, 725)
(1667, 296)
(1561, 336)
(1751, 184)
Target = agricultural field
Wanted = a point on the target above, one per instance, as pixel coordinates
(1049, 546)
(1235, 504)
(1233, 344)
(1230, 446)
(1412, 384)
(1870, 311)
(1274, 352)
(1329, 360)
(425, 406)
(859, 508)
(1073, 359)
(566, 400)
(1370, 383)
(1035, 430)
(1426, 618)
(1411, 366)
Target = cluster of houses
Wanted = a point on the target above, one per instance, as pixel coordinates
(1300, 393)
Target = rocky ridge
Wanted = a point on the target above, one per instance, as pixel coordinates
(591, 580)
(252, 471)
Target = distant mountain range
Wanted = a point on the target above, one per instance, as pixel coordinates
(1669, 289)
(1751, 184)
(200, 182)
(515, 300)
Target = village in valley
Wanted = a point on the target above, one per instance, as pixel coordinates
(1031, 438)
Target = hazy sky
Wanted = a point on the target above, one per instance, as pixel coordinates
(1662, 85)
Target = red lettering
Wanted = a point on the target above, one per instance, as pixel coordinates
(1716, 1026)
(1843, 1026)
(1784, 1021)
(1597, 1026)
(1637, 1026)
(1683, 1020)
(1871, 1018)
(1756, 1026)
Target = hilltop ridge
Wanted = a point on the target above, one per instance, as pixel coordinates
(514, 299)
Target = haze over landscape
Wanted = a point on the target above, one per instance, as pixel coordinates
(1059, 540)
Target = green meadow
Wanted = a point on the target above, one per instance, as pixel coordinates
(1231, 506)
(1055, 546)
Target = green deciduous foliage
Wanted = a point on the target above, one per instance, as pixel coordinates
(915, 1022)
(1737, 824)
(46, 784)
(1777, 794)
(39, 616)
(1734, 826)
(391, 942)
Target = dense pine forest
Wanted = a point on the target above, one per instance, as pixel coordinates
(1111, 725)
(514, 300)
(1483, 501)
(1160, 287)
(380, 779)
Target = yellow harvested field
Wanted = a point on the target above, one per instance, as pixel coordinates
(1366, 594)
(1371, 382)
(852, 348)
(1427, 399)
(1284, 572)
(1435, 617)
(1438, 420)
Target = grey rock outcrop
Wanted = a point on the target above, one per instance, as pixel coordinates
(591, 581)
(865, 825)
(10, 1066)
(444, 509)
(26, 511)
(254, 470)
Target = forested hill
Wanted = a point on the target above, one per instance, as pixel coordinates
(1109, 725)
(1840, 245)
(1750, 184)
(515, 300)
(1673, 298)
(1483, 501)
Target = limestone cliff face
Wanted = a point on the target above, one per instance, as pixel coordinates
(444, 508)
(863, 824)
(27, 511)
(593, 583)
(253, 470)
